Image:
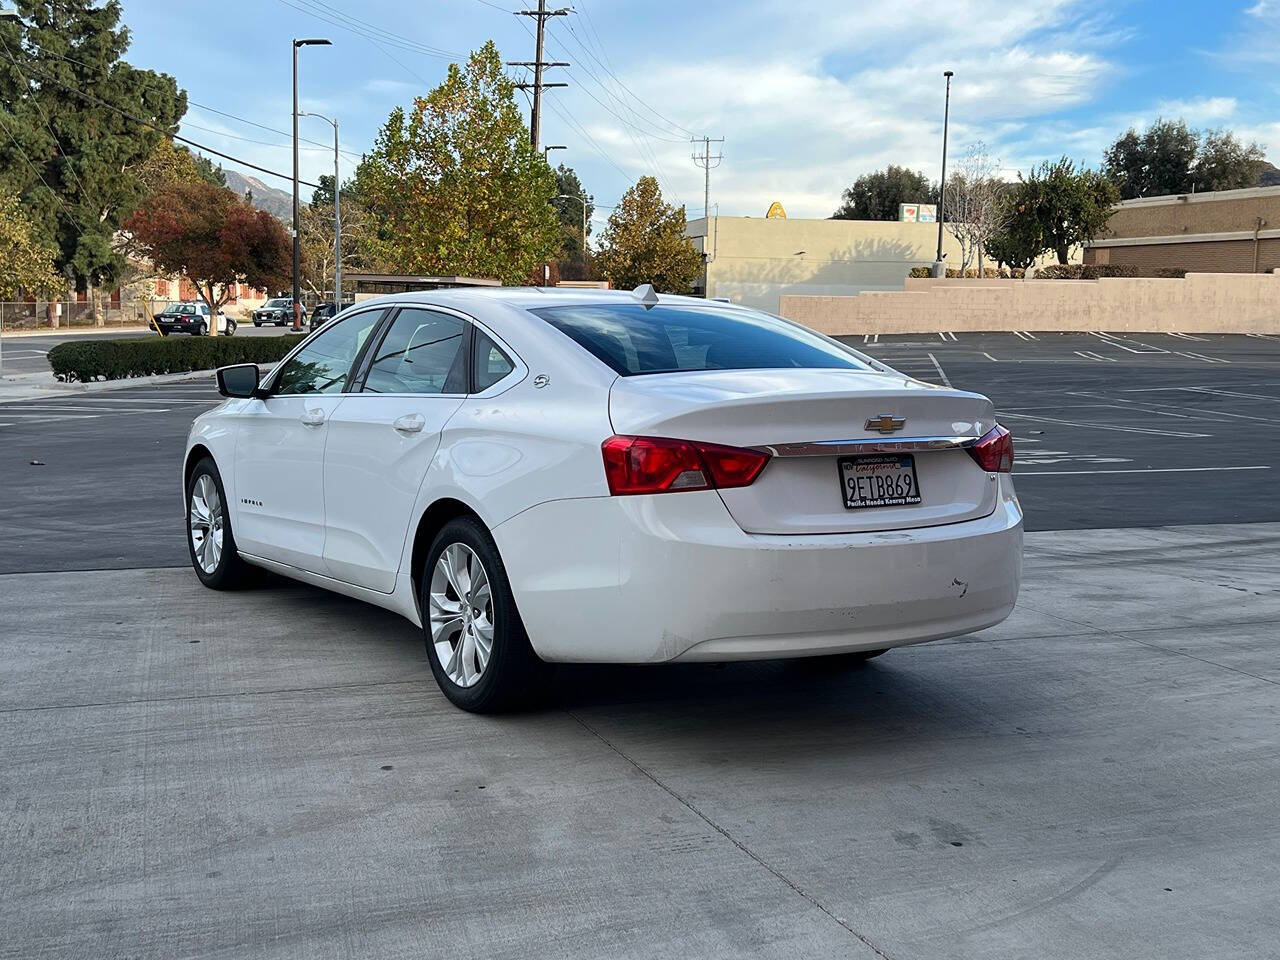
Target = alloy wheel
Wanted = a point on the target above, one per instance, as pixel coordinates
(461, 614)
(206, 520)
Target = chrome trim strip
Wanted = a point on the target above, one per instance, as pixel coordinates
(837, 448)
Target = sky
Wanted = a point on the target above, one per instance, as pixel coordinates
(807, 94)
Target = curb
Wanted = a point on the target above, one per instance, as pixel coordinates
(26, 386)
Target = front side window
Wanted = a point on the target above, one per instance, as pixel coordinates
(324, 364)
(489, 364)
(633, 339)
(421, 353)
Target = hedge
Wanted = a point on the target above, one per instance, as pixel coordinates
(1092, 271)
(88, 360)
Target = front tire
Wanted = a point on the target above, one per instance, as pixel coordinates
(476, 642)
(210, 542)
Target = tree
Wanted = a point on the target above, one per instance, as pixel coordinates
(974, 203)
(456, 183)
(1170, 158)
(214, 238)
(360, 250)
(572, 260)
(1067, 207)
(170, 164)
(645, 242)
(74, 145)
(1224, 163)
(1018, 242)
(876, 196)
(26, 266)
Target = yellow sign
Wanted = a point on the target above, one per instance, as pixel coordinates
(776, 212)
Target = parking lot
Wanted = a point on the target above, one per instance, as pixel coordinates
(273, 773)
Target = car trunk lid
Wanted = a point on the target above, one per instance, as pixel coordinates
(811, 420)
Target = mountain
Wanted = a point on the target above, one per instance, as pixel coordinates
(1270, 176)
(279, 203)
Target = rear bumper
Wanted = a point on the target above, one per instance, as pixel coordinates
(673, 577)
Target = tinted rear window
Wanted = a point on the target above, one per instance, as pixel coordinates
(633, 339)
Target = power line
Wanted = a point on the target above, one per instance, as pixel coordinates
(156, 127)
(337, 18)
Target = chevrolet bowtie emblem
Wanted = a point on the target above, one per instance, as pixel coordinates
(885, 423)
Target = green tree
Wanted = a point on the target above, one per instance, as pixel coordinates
(73, 149)
(875, 196)
(645, 242)
(1169, 158)
(26, 266)
(456, 184)
(1018, 242)
(572, 260)
(1067, 206)
(213, 237)
(170, 164)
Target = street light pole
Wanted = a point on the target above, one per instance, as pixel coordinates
(297, 240)
(337, 215)
(939, 268)
(547, 150)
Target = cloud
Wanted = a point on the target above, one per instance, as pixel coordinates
(1198, 110)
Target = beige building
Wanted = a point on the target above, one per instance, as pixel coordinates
(1227, 231)
(756, 260)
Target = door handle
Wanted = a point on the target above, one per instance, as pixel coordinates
(409, 423)
(313, 417)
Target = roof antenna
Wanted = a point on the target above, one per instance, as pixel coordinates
(646, 294)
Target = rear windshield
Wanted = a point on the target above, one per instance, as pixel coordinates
(634, 339)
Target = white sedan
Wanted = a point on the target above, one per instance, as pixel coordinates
(546, 475)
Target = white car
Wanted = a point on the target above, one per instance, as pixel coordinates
(546, 475)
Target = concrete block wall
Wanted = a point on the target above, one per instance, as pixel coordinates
(1200, 303)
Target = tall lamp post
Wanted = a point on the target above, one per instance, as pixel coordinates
(939, 268)
(583, 201)
(297, 248)
(337, 215)
(547, 150)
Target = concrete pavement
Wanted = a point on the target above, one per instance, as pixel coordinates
(273, 774)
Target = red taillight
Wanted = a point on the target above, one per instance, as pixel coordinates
(994, 452)
(662, 465)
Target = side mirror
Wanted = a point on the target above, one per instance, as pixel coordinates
(240, 380)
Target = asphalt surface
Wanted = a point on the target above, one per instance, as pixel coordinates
(1131, 440)
(273, 773)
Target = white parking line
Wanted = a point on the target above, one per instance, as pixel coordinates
(1201, 357)
(990, 357)
(1230, 393)
(1120, 342)
(1090, 355)
(1187, 336)
(1070, 473)
(937, 366)
(948, 335)
(1110, 426)
(1263, 336)
(1024, 335)
(871, 338)
(1209, 414)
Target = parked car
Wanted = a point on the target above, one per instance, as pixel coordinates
(277, 311)
(323, 313)
(191, 317)
(544, 475)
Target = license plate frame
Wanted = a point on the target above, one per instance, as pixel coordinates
(887, 491)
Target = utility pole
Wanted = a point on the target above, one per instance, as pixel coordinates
(707, 163)
(939, 268)
(297, 240)
(337, 214)
(535, 118)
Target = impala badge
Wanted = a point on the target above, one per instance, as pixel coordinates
(886, 423)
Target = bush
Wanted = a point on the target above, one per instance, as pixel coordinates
(1094, 271)
(920, 273)
(89, 360)
(1060, 271)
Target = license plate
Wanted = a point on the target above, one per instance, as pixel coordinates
(888, 480)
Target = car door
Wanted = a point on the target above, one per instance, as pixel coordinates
(383, 437)
(280, 447)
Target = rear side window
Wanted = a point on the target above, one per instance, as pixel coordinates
(489, 363)
(633, 339)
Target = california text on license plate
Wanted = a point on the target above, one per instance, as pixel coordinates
(887, 480)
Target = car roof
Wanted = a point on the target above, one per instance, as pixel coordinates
(530, 298)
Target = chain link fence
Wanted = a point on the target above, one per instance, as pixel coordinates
(72, 314)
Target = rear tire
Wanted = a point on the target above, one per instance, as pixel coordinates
(210, 542)
(199, 331)
(467, 604)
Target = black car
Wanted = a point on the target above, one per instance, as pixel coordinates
(323, 313)
(277, 311)
(192, 318)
